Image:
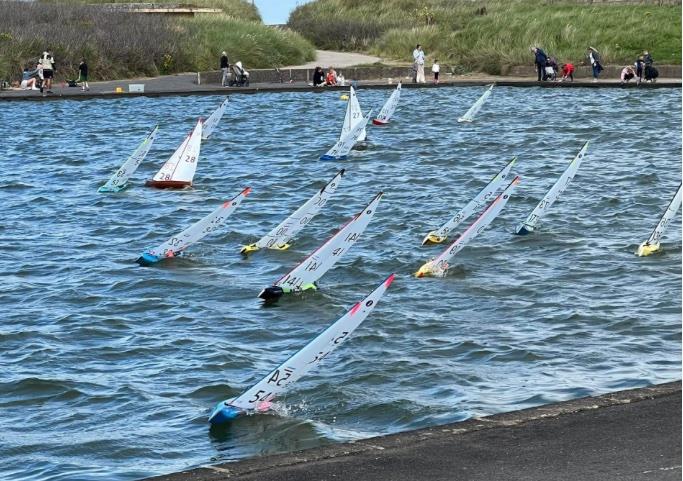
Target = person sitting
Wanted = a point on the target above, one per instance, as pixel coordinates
(551, 69)
(331, 78)
(318, 77)
(627, 73)
(567, 72)
(28, 79)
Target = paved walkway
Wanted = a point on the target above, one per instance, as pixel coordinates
(627, 436)
(185, 84)
(327, 58)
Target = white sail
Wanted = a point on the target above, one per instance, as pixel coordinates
(200, 229)
(279, 237)
(120, 178)
(181, 166)
(669, 214)
(353, 116)
(560, 185)
(322, 260)
(474, 205)
(279, 380)
(389, 107)
(439, 266)
(211, 123)
(476, 107)
(342, 148)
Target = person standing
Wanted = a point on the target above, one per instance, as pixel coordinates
(540, 60)
(435, 70)
(650, 71)
(639, 69)
(48, 63)
(594, 59)
(419, 58)
(83, 75)
(225, 67)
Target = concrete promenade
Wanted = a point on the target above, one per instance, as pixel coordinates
(186, 84)
(624, 436)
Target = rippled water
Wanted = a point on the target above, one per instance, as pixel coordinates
(108, 370)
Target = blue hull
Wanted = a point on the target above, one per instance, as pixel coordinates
(147, 259)
(103, 190)
(224, 413)
(332, 157)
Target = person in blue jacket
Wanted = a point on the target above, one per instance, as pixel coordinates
(540, 60)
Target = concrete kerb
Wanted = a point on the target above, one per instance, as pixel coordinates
(415, 438)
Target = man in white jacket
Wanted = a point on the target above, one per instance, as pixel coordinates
(419, 58)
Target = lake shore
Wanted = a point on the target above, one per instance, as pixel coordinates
(186, 84)
(628, 435)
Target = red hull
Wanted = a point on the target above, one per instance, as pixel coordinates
(168, 184)
(379, 122)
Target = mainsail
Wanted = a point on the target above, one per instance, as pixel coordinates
(119, 180)
(342, 148)
(651, 245)
(179, 169)
(560, 185)
(389, 107)
(441, 234)
(258, 398)
(439, 266)
(195, 232)
(476, 107)
(279, 237)
(354, 115)
(211, 123)
(303, 276)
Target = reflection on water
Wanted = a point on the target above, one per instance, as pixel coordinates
(110, 369)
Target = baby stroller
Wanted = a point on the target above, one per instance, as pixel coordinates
(239, 77)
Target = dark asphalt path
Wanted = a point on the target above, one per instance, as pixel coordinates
(627, 436)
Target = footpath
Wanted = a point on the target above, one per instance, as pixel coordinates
(629, 435)
(297, 80)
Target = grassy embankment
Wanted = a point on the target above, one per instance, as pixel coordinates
(121, 45)
(490, 35)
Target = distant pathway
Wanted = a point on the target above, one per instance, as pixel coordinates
(327, 58)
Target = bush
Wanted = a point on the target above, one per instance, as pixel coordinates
(490, 35)
(120, 45)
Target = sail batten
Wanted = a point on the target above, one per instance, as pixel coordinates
(279, 236)
(344, 145)
(438, 266)
(477, 203)
(119, 179)
(476, 107)
(179, 169)
(307, 272)
(389, 107)
(196, 232)
(212, 121)
(259, 397)
(529, 225)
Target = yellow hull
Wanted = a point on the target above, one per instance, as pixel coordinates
(647, 249)
(424, 271)
(283, 247)
(433, 239)
(246, 250)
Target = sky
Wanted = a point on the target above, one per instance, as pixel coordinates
(277, 11)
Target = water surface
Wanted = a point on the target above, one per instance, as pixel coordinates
(109, 370)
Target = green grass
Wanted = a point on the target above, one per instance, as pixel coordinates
(490, 35)
(121, 45)
(234, 8)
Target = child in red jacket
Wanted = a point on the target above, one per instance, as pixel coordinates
(568, 72)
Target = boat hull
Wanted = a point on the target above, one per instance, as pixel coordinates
(379, 122)
(168, 184)
(147, 259)
(332, 157)
(224, 413)
(645, 249)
